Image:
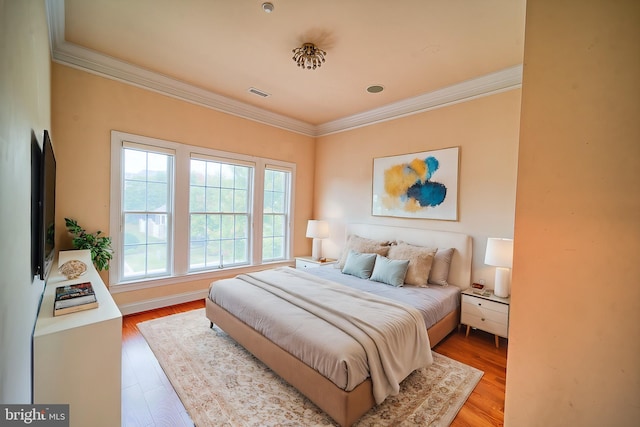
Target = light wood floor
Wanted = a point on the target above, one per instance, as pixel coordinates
(148, 399)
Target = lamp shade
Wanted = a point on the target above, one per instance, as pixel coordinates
(317, 229)
(499, 252)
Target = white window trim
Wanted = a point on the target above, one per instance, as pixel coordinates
(180, 224)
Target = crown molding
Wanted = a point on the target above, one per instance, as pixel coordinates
(489, 84)
(93, 62)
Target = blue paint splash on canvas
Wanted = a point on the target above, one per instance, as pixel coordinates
(411, 184)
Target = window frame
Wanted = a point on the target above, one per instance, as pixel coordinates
(179, 217)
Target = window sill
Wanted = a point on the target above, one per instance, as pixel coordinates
(117, 288)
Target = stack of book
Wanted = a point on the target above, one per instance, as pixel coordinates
(72, 298)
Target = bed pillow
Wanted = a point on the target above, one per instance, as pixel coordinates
(359, 265)
(364, 246)
(389, 271)
(420, 261)
(440, 268)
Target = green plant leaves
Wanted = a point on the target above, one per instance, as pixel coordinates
(100, 246)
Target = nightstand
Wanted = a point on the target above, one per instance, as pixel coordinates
(488, 313)
(308, 262)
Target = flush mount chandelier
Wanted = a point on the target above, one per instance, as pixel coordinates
(308, 56)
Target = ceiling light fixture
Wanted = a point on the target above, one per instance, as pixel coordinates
(267, 7)
(308, 56)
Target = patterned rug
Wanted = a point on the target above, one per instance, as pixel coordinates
(221, 384)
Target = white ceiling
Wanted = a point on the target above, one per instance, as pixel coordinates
(424, 52)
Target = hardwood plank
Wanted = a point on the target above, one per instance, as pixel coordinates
(148, 399)
(485, 406)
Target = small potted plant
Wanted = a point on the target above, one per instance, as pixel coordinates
(100, 246)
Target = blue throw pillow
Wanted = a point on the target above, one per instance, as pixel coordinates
(359, 265)
(390, 271)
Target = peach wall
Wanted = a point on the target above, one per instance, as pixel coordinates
(486, 130)
(87, 107)
(575, 323)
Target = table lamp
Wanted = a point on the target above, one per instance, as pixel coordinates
(500, 255)
(317, 230)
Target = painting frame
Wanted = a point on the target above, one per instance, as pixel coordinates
(422, 185)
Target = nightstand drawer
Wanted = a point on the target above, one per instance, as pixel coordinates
(482, 312)
(485, 304)
(486, 324)
(306, 264)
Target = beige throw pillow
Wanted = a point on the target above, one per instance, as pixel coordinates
(440, 269)
(420, 261)
(364, 246)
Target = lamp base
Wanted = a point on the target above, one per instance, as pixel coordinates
(316, 249)
(502, 284)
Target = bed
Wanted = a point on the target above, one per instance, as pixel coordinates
(344, 397)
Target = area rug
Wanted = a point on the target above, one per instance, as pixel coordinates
(221, 384)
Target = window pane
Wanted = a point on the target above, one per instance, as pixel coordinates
(267, 225)
(278, 205)
(196, 199)
(135, 195)
(240, 253)
(278, 247)
(268, 180)
(213, 254)
(135, 165)
(197, 172)
(214, 224)
(227, 173)
(240, 202)
(227, 227)
(198, 228)
(268, 201)
(197, 254)
(157, 256)
(213, 174)
(157, 197)
(158, 167)
(226, 200)
(279, 225)
(135, 261)
(213, 200)
(242, 177)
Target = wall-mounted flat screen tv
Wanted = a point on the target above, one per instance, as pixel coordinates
(47, 207)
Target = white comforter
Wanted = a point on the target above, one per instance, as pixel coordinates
(393, 335)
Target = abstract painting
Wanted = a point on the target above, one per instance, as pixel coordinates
(419, 185)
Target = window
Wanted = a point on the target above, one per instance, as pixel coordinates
(146, 209)
(275, 214)
(178, 210)
(219, 201)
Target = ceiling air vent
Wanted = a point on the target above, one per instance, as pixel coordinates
(258, 92)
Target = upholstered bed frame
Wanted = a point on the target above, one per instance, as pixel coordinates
(347, 407)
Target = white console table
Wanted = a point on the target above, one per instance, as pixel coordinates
(77, 357)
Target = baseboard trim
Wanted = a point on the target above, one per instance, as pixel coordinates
(154, 303)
